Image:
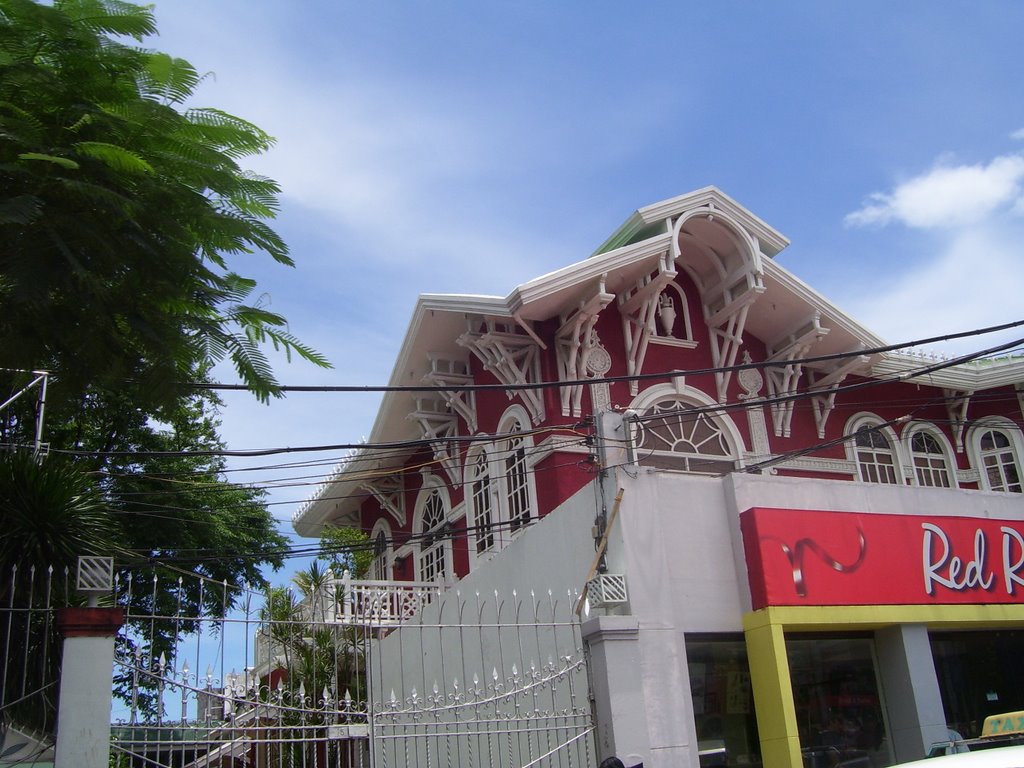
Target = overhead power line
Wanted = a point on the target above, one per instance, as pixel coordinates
(611, 379)
(489, 438)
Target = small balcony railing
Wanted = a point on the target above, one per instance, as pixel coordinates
(384, 603)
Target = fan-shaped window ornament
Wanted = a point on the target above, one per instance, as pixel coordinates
(672, 434)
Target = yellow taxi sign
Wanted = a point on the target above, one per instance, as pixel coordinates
(1006, 723)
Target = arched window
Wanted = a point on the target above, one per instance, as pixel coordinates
(434, 561)
(682, 428)
(874, 451)
(930, 458)
(998, 459)
(381, 567)
(517, 480)
(481, 500)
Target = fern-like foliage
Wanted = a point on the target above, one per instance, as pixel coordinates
(123, 213)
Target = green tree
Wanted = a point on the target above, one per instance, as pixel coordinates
(124, 212)
(120, 210)
(347, 549)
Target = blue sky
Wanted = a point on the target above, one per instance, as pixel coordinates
(468, 147)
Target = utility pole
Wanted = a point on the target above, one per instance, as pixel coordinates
(41, 379)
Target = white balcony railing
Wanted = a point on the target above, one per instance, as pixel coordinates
(384, 603)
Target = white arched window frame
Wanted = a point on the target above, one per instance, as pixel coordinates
(687, 431)
(431, 527)
(875, 449)
(482, 498)
(383, 552)
(931, 456)
(996, 450)
(512, 459)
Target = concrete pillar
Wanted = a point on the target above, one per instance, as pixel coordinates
(83, 715)
(911, 688)
(617, 687)
(773, 693)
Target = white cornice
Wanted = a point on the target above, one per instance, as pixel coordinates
(966, 377)
(587, 270)
(772, 241)
(836, 319)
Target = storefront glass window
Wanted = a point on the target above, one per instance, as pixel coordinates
(723, 704)
(838, 707)
(980, 674)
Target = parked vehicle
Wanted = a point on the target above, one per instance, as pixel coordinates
(998, 731)
(987, 757)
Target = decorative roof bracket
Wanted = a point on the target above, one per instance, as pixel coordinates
(785, 370)
(575, 340)
(439, 424)
(513, 358)
(389, 491)
(726, 317)
(638, 308)
(823, 389)
(454, 373)
(956, 407)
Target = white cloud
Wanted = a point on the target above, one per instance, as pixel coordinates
(1018, 134)
(947, 196)
(972, 283)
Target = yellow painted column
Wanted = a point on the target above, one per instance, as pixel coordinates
(773, 691)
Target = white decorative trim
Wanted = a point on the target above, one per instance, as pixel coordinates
(439, 425)
(670, 342)
(751, 380)
(513, 358)
(832, 466)
(575, 343)
(968, 476)
(638, 307)
(555, 444)
(389, 491)
(956, 407)
(727, 301)
(784, 375)
(454, 373)
(824, 387)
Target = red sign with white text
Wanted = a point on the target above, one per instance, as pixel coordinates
(807, 557)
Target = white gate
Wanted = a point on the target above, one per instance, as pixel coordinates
(471, 681)
(363, 674)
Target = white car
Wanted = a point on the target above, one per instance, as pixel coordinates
(1000, 757)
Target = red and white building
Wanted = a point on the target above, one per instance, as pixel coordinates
(822, 553)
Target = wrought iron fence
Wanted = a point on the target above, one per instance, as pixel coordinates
(29, 675)
(480, 680)
(347, 674)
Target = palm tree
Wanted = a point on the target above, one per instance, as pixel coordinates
(50, 513)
